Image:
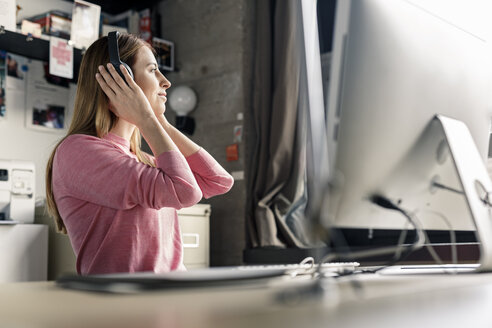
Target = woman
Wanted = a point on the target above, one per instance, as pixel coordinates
(117, 203)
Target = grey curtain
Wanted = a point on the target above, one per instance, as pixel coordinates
(276, 189)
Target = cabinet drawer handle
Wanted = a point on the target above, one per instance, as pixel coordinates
(188, 237)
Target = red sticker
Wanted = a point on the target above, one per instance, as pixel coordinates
(232, 153)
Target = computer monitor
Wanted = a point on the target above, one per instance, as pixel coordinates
(311, 103)
(394, 66)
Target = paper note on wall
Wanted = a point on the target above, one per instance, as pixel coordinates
(46, 99)
(7, 14)
(85, 23)
(61, 58)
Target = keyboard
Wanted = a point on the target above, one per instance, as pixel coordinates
(305, 268)
(143, 281)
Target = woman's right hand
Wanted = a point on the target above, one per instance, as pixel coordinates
(127, 101)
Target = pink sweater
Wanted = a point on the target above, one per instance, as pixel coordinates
(121, 214)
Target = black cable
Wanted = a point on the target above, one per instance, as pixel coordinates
(317, 289)
(409, 249)
(383, 202)
(386, 203)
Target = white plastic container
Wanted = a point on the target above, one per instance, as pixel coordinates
(23, 252)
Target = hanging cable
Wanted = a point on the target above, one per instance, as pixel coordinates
(418, 242)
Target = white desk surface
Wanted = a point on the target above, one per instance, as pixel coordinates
(436, 300)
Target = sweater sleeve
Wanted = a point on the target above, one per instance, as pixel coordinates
(94, 170)
(210, 175)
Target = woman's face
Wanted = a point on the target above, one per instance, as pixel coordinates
(150, 79)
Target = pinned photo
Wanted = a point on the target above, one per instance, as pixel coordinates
(16, 73)
(165, 53)
(50, 116)
(3, 96)
(14, 67)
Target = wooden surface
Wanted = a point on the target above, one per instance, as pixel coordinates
(368, 300)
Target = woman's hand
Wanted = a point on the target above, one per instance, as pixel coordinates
(127, 101)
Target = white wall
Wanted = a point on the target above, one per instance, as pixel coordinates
(16, 141)
(19, 142)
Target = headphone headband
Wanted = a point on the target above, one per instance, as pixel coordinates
(114, 54)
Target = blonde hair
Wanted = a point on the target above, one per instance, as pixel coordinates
(91, 114)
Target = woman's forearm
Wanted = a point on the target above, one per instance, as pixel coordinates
(185, 145)
(156, 136)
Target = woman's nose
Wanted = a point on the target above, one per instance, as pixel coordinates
(165, 82)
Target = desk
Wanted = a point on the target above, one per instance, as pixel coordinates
(383, 301)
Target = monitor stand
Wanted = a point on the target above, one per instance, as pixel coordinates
(445, 167)
(475, 181)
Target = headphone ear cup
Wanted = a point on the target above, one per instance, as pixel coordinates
(129, 70)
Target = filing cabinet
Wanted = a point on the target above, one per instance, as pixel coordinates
(195, 232)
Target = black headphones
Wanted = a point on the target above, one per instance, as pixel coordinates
(114, 54)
